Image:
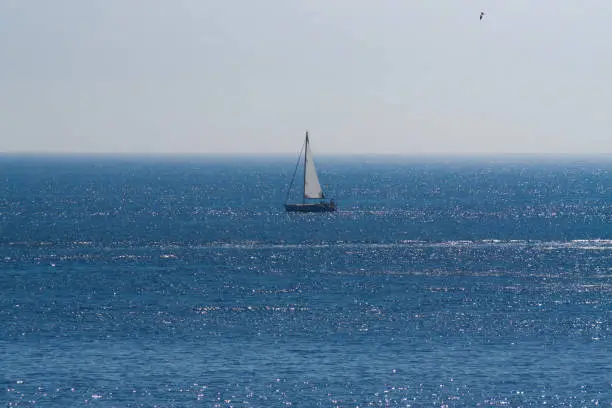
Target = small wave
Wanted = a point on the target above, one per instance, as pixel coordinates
(168, 256)
(581, 244)
(595, 244)
(238, 309)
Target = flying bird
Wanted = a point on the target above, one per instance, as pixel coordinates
(482, 14)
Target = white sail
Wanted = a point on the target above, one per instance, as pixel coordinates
(312, 188)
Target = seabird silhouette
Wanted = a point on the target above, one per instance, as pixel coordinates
(482, 14)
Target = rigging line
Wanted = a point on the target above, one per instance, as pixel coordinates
(295, 171)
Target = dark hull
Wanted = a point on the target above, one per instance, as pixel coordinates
(318, 207)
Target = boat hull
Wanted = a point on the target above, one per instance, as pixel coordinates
(318, 207)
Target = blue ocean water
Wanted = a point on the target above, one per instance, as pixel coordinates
(181, 282)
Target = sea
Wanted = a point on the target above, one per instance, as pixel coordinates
(180, 281)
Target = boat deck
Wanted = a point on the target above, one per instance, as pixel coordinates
(316, 207)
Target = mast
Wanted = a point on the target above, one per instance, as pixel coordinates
(305, 161)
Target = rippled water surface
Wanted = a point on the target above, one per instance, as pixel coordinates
(181, 282)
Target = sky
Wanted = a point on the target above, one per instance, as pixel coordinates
(249, 77)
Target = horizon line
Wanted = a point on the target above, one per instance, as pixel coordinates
(284, 154)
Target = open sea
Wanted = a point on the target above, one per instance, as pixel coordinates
(181, 282)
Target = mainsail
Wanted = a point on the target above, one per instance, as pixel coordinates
(312, 188)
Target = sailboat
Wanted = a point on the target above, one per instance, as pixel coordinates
(312, 189)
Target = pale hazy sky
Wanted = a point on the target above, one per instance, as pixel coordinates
(249, 76)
